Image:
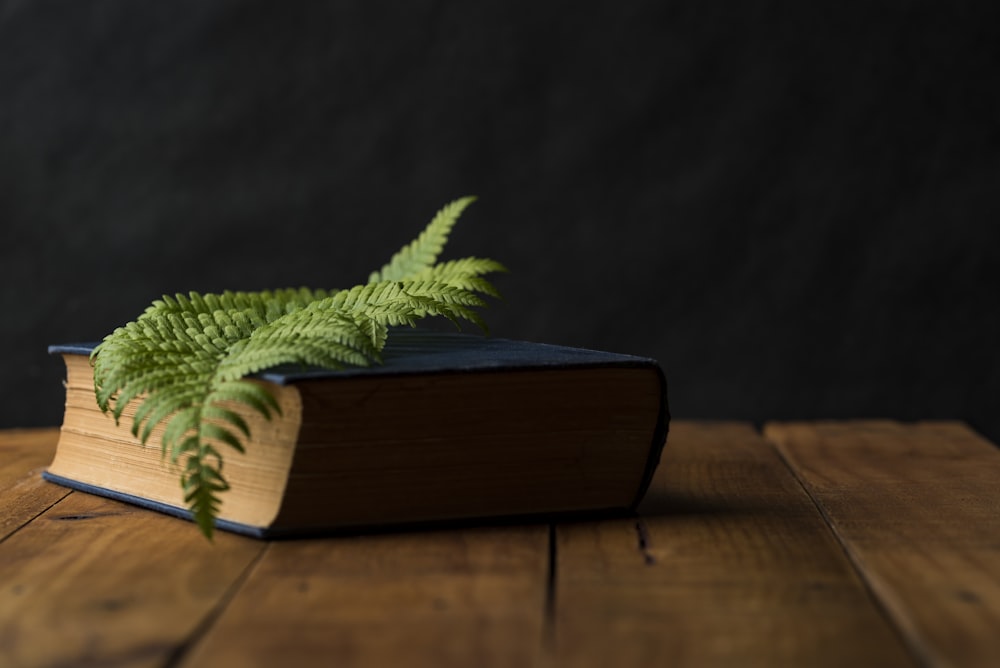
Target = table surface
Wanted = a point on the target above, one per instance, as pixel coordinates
(859, 543)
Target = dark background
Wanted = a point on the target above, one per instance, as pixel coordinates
(793, 206)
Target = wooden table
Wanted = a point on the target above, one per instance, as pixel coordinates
(852, 544)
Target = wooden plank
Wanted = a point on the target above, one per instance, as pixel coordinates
(917, 506)
(96, 582)
(729, 563)
(472, 597)
(22, 450)
(23, 493)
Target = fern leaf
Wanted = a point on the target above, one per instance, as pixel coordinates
(466, 273)
(403, 302)
(214, 432)
(269, 304)
(202, 483)
(248, 393)
(314, 336)
(216, 412)
(186, 358)
(423, 251)
(180, 434)
(163, 403)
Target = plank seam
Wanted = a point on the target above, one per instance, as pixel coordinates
(548, 638)
(208, 621)
(918, 653)
(35, 516)
(642, 533)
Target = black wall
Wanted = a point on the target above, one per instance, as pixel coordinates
(793, 206)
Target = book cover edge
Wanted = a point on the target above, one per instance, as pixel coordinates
(475, 354)
(149, 504)
(280, 533)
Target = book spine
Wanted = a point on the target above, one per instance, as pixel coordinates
(660, 434)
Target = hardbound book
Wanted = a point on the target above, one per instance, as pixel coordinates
(451, 427)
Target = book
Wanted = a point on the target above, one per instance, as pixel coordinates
(451, 427)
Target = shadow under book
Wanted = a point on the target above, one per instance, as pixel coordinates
(450, 427)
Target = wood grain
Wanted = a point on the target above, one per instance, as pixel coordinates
(96, 582)
(473, 597)
(23, 493)
(917, 506)
(731, 561)
(729, 564)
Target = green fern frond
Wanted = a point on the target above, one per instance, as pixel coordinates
(402, 302)
(317, 337)
(268, 304)
(466, 274)
(202, 483)
(423, 251)
(186, 358)
(254, 395)
(164, 402)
